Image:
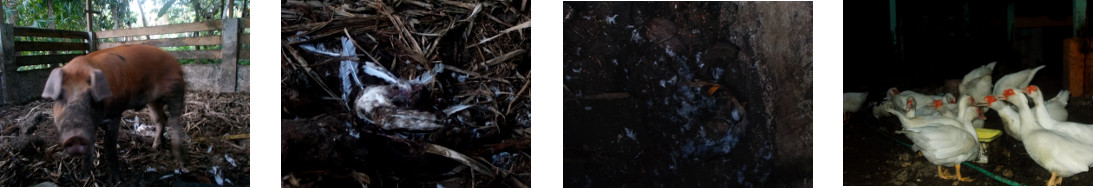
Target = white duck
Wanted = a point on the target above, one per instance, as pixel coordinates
(896, 99)
(1059, 153)
(881, 109)
(1027, 115)
(926, 105)
(1057, 106)
(951, 108)
(949, 103)
(909, 120)
(852, 102)
(1062, 155)
(1011, 121)
(1019, 79)
(977, 87)
(943, 109)
(933, 107)
(1079, 131)
(984, 70)
(970, 116)
(943, 141)
(977, 83)
(899, 98)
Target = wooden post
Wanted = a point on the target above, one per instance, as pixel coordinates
(1074, 65)
(229, 54)
(7, 65)
(91, 46)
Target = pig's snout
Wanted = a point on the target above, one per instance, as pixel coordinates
(76, 145)
(77, 137)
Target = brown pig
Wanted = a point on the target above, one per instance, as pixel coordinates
(93, 90)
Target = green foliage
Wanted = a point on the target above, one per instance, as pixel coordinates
(70, 15)
(36, 13)
(34, 67)
(67, 14)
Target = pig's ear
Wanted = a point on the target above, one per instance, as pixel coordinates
(100, 89)
(53, 85)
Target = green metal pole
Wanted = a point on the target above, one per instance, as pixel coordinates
(892, 19)
(1009, 20)
(1079, 16)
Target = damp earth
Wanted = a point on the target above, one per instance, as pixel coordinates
(648, 88)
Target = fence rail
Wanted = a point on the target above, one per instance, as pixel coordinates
(51, 49)
(52, 33)
(164, 29)
(60, 46)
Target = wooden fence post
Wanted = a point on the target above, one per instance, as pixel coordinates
(229, 55)
(7, 65)
(91, 46)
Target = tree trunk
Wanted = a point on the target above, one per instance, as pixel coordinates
(200, 17)
(200, 12)
(244, 9)
(14, 19)
(230, 12)
(219, 12)
(143, 20)
(52, 17)
(115, 10)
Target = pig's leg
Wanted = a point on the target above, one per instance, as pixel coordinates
(156, 110)
(175, 108)
(111, 146)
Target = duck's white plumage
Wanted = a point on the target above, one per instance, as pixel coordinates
(943, 141)
(1011, 121)
(881, 109)
(1078, 131)
(1019, 79)
(943, 144)
(852, 101)
(1057, 106)
(977, 83)
(1059, 153)
(908, 119)
(984, 70)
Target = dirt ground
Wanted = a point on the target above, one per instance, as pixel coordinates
(634, 119)
(482, 53)
(218, 126)
(872, 155)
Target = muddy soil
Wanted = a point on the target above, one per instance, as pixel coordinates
(874, 155)
(217, 124)
(636, 117)
(473, 55)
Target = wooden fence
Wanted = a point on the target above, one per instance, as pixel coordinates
(20, 82)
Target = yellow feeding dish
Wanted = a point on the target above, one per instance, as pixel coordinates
(987, 135)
